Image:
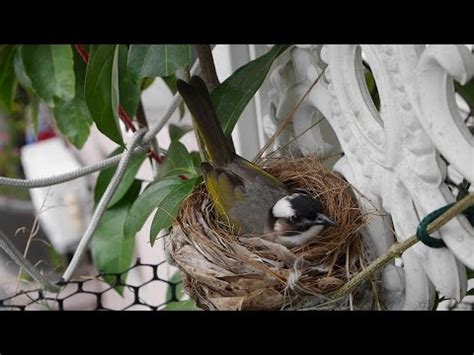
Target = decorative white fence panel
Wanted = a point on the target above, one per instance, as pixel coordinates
(392, 156)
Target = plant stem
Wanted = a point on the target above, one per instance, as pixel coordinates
(287, 119)
(208, 69)
(396, 250)
(122, 114)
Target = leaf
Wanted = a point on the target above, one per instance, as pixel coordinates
(146, 83)
(129, 87)
(176, 132)
(73, 117)
(128, 179)
(178, 303)
(168, 208)
(196, 157)
(372, 88)
(188, 305)
(33, 110)
(111, 251)
(232, 96)
(50, 70)
(7, 78)
(101, 90)
(178, 161)
(470, 292)
(157, 60)
(19, 68)
(467, 93)
(152, 197)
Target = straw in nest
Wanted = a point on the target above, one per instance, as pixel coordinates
(224, 271)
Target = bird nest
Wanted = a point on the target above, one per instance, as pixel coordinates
(224, 271)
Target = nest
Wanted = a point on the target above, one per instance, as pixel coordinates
(224, 271)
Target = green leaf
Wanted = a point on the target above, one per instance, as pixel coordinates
(157, 60)
(152, 197)
(19, 68)
(128, 179)
(178, 161)
(146, 83)
(196, 157)
(102, 90)
(188, 305)
(372, 88)
(111, 251)
(170, 82)
(232, 96)
(32, 111)
(169, 206)
(180, 304)
(467, 93)
(176, 280)
(50, 70)
(7, 78)
(176, 132)
(129, 86)
(73, 117)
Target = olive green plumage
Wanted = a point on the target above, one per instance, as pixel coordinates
(242, 192)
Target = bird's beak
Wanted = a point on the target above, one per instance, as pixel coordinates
(325, 220)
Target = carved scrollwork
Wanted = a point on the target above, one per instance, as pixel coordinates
(393, 156)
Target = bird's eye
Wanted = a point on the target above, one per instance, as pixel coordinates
(294, 219)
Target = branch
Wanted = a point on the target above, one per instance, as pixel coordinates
(208, 69)
(397, 250)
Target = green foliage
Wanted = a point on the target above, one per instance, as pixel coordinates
(128, 179)
(232, 96)
(176, 132)
(467, 93)
(72, 117)
(129, 86)
(157, 60)
(178, 161)
(50, 70)
(372, 88)
(7, 78)
(111, 251)
(165, 195)
(102, 90)
(178, 304)
(169, 205)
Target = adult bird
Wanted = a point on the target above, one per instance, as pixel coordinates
(251, 199)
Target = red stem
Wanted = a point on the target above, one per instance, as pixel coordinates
(82, 52)
(123, 115)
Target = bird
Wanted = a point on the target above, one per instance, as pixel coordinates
(251, 200)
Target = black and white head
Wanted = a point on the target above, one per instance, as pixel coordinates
(297, 213)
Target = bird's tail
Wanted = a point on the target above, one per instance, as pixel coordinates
(199, 102)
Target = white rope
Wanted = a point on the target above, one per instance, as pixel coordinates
(102, 206)
(60, 178)
(71, 175)
(12, 251)
(123, 159)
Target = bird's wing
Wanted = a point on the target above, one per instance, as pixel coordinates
(225, 187)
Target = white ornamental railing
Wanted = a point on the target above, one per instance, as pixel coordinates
(392, 156)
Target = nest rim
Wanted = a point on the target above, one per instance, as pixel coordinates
(222, 270)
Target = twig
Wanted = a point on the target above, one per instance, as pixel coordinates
(208, 69)
(287, 119)
(396, 250)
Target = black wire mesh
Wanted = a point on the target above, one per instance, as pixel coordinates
(37, 298)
